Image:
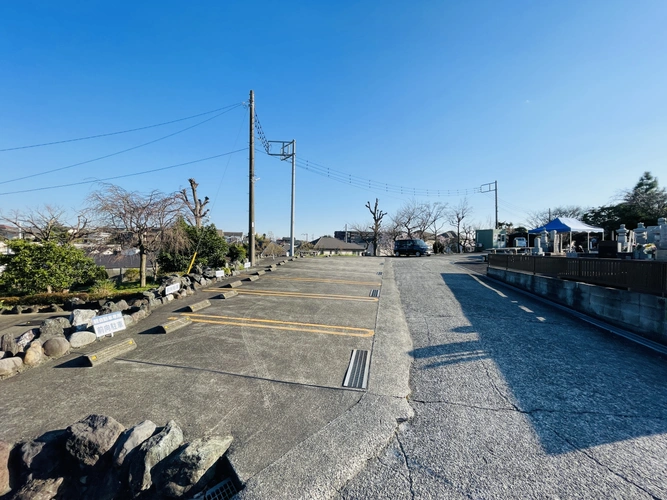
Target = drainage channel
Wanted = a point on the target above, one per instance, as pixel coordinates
(357, 371)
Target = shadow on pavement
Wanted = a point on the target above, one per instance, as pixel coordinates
(575, 383)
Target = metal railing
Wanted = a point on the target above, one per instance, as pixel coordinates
(647, 276)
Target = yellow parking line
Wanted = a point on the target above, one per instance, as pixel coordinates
(278, 293)
(326, 280)
(346, 331)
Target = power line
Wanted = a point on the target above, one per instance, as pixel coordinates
(123, 151)
(126, 175)
(121, 131)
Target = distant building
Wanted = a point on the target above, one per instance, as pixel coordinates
(231, 236)
(326, 245)
(490, 238)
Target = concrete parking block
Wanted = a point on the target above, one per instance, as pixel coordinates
(228, 294)
(198, 305)
(170, 326)
(251, 278)
(233, 284)
(109, 352)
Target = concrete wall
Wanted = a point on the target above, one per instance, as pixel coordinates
(641, 313)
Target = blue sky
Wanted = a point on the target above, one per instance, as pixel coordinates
(563, 103)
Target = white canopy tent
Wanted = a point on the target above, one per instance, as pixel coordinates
(569, 225)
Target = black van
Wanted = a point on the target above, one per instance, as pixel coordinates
(410, 247)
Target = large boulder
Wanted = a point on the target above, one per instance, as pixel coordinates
(79, 339)
(130, 439)
(82, 319)
(25, 338)
(53, 327)
(56, 347)
(121, 305)
(39, 489)
(191, 469)
(34, 355)
(43, 457)
(10, 366)
(5, 450)
(74, 303)
(90, 438)
(151, 452)
(8, 344)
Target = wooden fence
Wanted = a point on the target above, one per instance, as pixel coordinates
(647, 276)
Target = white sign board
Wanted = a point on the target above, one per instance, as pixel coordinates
(220, 273)
(107, 324)
(246, 265)
(172, 288)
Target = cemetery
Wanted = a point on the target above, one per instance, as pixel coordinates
(621, 281)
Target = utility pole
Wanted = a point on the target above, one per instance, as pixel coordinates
(251, 182)
(487, 188)
(287, 150)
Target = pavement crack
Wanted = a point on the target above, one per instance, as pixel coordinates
(536, 410)
(603, 465)
(407, 465)
(497, 390)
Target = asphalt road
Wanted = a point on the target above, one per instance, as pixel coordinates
(474, 391)
(514, 399)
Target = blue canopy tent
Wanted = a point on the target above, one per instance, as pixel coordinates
(568, 225)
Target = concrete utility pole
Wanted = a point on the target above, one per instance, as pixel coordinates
(287, 150)
(251, 182)
(487, 188)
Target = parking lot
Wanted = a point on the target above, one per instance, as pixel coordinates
(266, 366)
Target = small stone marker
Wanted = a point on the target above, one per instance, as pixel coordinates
(107, 324)
(170, 326)
(198, 305)
(251, 278)
(109, 352)
(172, 288)
(233, 284)
(228, 294)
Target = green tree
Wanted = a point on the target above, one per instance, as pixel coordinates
(236, 252)
(46, 267)
(646, 202)
(211, 248)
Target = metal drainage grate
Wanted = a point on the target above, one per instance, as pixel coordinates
(374, 293)
(357, 373)
(221, 491)
(379, 273)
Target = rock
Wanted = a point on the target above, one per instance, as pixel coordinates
(4, 354)
(151, 452)
(8, 344)
(132, 438)
(92, 437)
(74, 303)
(55, 308)
(153, 302)
(139, 315)
(121, 305)
(34, 355)
(111, 306)
(31, 309)
(129, 320)
(9, 366)
(18, 309)
(56, 347)
(39, 489)
(192, 468)
(5, 449)
(44, 455)
(50, 328)
(82, 319)
(79, 339)
(25, 338)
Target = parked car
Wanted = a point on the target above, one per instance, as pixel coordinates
(411, 247)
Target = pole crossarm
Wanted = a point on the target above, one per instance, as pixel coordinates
(286, 149)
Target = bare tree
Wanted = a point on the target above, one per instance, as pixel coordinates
(196, 206)
(48, 223)
(429, 217)
(377, 215)
(455, 217)
(542, 217)
(406, 218)
(140, 220)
